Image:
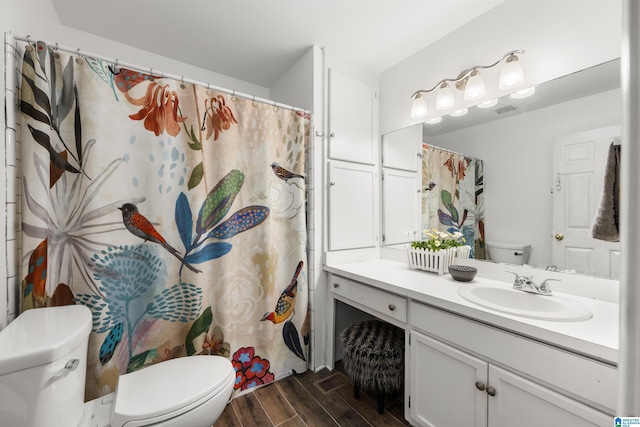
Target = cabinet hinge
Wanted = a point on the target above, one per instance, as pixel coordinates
(409, 338)
(409, 401)
(383, 238)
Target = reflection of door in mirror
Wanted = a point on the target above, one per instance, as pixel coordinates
(579, 164)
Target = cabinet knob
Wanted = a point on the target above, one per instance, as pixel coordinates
(335, 285)
(332, 183)
(332, 134)
(392, 307)
(480, 385)
(491, 391)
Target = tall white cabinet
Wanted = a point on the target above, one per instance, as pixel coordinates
(352, 156)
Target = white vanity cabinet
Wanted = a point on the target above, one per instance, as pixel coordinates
(463, 372)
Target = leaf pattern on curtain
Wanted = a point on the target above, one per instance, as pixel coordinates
(453, 196)
(130, 177)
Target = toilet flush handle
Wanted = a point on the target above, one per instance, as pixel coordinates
(70, 366)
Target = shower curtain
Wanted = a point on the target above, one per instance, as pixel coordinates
(174, 212)
(453, 195)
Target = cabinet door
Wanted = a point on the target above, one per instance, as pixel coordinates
(401, 200)
(443, 385)
(351, 119)
(352, 205)
(520, 402)
(402, 149)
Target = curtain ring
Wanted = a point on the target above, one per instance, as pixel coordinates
(253, 103)
(56, 48)
(233, 96)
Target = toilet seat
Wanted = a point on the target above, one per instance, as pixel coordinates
(169, 389)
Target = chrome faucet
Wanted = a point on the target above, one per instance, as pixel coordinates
(526, 284)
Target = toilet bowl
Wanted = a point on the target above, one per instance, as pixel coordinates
(43, 356)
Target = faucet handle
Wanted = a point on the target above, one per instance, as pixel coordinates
(544, 286)
(516, 280)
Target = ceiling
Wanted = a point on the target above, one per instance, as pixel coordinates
(258, 40)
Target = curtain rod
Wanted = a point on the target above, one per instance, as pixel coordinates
(162, 74)
(450, 151)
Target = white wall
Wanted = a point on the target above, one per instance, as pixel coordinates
(518, 154)
(38, 19)
(559, 37)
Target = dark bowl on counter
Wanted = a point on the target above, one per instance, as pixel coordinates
(462, 273)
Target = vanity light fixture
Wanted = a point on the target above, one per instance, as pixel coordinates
(471, 82)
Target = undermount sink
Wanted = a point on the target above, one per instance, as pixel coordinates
(525, 304)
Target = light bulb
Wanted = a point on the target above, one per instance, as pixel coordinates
(524, 93)
(474, 88)
(419, 107)
(434, 120)
(488, 104)
(512, 74)
(459, 113)
(444, 100)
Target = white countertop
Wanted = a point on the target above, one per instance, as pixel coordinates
(596, 337)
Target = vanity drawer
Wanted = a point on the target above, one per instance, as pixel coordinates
(372, 300)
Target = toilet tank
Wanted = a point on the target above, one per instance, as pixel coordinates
(508, 253)
(43, 359)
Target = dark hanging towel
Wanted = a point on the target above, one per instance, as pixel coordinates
(607, 221)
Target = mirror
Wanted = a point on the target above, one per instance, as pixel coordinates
(516, 139)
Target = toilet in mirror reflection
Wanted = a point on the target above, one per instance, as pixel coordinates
(508, 253)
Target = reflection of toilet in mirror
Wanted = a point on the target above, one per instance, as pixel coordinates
(508, 253)
(42, 379)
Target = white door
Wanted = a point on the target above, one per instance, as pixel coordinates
(447, 385)
(578, 169)
(401, 198)
(352, 206)
(520, 402)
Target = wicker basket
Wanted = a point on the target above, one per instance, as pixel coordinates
(435, 261)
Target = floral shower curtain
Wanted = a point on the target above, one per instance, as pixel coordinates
(174, 212)
(453, 195)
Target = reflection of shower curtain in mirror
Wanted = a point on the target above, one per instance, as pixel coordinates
(159, 205)
(453, 195)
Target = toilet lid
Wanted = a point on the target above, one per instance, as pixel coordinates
(167, 389)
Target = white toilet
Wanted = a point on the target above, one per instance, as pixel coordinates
(43, 360)
(508, 253)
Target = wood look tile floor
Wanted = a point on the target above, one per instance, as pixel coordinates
(314, 399)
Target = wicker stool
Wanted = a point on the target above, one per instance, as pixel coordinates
(374, 358)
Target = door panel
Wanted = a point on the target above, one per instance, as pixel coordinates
(579, 160)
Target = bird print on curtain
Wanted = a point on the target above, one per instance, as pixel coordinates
(174, 212)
